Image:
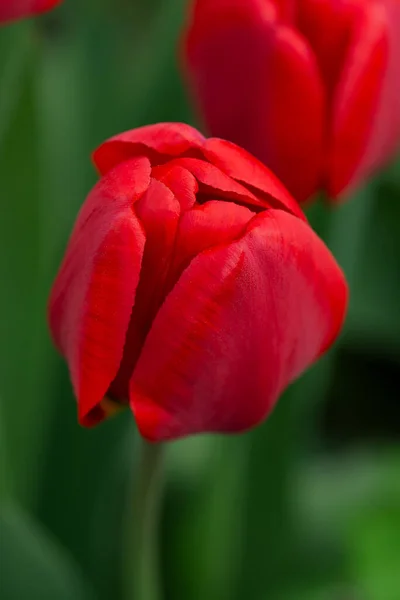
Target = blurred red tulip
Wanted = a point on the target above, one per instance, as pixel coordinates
(11, 10)
(311, 87)
(192, 286)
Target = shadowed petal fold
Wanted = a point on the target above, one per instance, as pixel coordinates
(242, 166)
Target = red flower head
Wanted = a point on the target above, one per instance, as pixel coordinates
(311, 87)
(192, 286)
(11, 10)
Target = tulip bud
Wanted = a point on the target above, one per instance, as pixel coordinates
(192, 287)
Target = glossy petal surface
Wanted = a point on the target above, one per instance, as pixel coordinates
(242, 322)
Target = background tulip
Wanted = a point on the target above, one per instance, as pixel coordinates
(311, 87)
(192, 286)
(11, 10)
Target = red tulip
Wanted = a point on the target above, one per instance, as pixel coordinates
(192, 286)
(11, 10)
(311, 87)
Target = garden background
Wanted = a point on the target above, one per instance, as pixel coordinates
(307, 506)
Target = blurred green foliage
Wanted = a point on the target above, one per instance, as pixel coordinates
(305, 507)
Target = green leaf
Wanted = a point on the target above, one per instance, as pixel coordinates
(21, 350)
(375, 551)
(83, 480)
(333, 491)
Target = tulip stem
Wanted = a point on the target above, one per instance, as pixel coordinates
(142, 560)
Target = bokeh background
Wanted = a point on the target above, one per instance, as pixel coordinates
(306, 507)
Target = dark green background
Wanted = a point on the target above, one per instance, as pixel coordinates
(306, 507)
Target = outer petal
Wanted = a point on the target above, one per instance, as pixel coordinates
(11, 10)
(241, 323)
(257, 84)
(93, 295)
(363, 129)
(206, 12)
(367, 117)
(160, 141)
(242, 166)
(327, 26)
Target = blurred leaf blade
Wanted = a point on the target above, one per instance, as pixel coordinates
(32, 565)
(19, 261)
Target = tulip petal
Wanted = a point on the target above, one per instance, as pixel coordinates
(168, 251)
(259, 86)
(327, 26)
(208, 225)
(213, 183)
(92, 298)
(156, 141)
(243, 321)
(180, 181)
(243, 167)
(366, 109)
(158, 212)
(207, 13)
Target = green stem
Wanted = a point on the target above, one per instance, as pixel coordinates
(141, 558)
